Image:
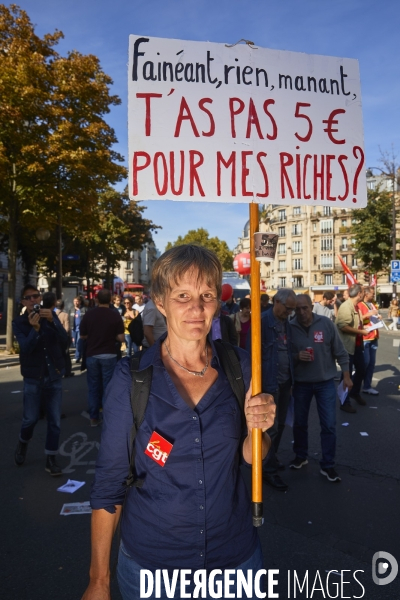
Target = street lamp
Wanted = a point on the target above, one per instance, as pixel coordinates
(43, 235)
(391, 176)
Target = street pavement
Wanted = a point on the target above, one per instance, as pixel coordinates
(315, 527)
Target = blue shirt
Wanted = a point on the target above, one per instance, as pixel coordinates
(77, 319)
(216, 329)
(194, 512)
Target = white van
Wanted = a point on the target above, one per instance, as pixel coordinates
(240, 286)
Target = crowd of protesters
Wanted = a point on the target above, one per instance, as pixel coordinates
(302, 345)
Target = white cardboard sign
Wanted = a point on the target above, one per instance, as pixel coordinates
(214, 123)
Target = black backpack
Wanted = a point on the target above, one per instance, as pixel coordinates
(140, 391)
(136, 330)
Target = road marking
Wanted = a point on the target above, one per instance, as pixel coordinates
(396, 343)
(77, 447)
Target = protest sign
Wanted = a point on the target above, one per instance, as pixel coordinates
(208, 122)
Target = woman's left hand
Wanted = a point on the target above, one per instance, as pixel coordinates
(259, 411)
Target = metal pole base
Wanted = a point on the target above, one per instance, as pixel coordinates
(257, 510)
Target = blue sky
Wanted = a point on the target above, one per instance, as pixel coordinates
(362, 29)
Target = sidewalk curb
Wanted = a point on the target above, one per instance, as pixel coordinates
(11, 363)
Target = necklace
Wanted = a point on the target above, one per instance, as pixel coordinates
(197, 373)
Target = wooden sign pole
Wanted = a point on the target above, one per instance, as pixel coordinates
(257, 506)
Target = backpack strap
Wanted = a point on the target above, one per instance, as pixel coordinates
(140, 391)
(233, 370)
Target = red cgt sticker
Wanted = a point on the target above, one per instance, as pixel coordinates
(318, 337)
(158, 449)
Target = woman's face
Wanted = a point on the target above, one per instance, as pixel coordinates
(246, 312)
(128, 304)
(189, 307)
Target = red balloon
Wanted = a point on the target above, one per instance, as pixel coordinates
(227, 292)
(241, 263)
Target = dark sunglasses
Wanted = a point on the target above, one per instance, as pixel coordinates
(31, 297)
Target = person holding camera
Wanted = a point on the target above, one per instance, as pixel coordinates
(42, 341)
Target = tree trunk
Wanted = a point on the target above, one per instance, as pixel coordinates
(12, 271)
(107, 282)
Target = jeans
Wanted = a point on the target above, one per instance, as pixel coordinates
(77, 345)
(282, 400)
(129, 578)
(130, 345)
(99, 373)
(325, 396)
(356, 361)
(36, 390)
(370, 348)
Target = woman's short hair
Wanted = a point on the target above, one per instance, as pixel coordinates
(175, 262)
(245, 303)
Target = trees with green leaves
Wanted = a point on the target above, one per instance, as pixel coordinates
(56, 150)
(372, 231)
(201, 238)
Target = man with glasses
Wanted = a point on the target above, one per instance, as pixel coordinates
(42, 341)
(277, 374)
(317, 345)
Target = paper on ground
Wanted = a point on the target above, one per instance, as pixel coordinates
(364, 433)
(76, 508)
(17, 392)
(342, 392)
(71, 486)
(344, 424)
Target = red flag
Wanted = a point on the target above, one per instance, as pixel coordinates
(350, 278)
(373, 280)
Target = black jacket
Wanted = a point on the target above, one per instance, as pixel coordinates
(41, 352)
(228, 331)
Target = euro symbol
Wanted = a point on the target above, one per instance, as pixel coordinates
(332, 121)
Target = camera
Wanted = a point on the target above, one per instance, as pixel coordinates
(36, 308)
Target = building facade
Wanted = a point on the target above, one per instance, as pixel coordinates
(21, 279)
(310, 240)
(139, 267)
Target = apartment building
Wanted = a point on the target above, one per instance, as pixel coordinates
(310, 240)
(139, 267)
(310, 237)
(21, 279)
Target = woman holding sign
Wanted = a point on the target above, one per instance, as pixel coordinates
(188, 507)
